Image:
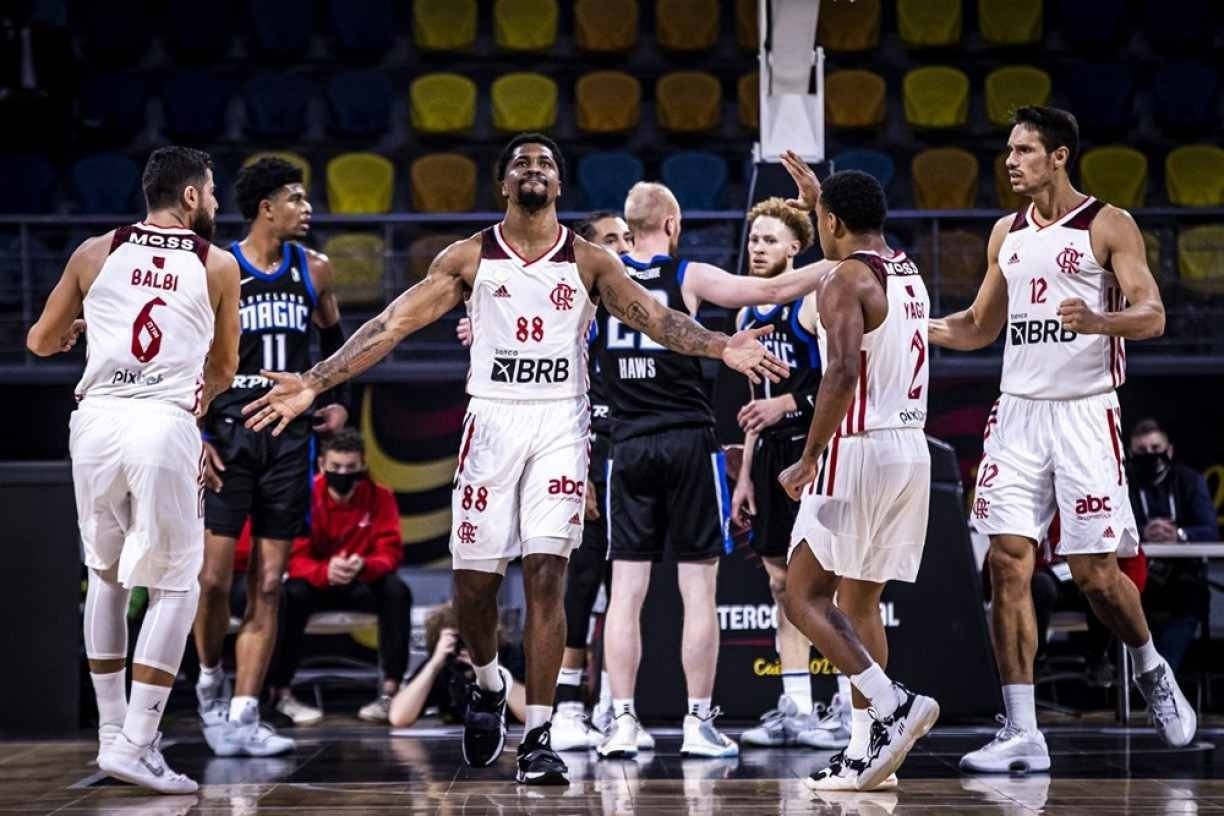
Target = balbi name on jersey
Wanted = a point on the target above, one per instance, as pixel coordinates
(636, 368)
(155, 280)
(274, 310)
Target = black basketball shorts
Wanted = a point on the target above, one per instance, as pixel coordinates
(775, 511)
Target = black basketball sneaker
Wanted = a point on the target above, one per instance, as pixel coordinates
(538, 763)
(484, 726)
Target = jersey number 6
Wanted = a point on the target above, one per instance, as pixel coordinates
(146, 325)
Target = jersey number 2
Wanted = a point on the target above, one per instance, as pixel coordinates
(917, 344)
(145, 326)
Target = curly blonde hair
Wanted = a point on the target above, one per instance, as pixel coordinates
(797, 221)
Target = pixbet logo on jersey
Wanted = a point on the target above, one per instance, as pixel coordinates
(530, 370)
(1092, 506)
(565, 486)
(562, 297)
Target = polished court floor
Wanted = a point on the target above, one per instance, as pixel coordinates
(364, 770)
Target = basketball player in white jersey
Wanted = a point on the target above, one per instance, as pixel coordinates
(864, 478)
(530, 285)
(161, 325)
(1060, 273)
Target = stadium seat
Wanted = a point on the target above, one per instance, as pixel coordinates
(1200, 258)
(1184, 97)
(296, 159)
(854, 98)
(106, 183)
(360, 184)
(1010, 22)
(364, 30)
(1194, 176)
(1101, 95)
(608, 102)
(1176, 29)
(109, 116)
(104, 43)
(29, 184)
(200, 45)
(1115, 174)
(525, 25)
(688, 101)
(1008, 198)
(936, 97)
(923, 23)
(523, 101)
(686, 25)
(606, 177)
(443, 103)
(444, 25)
(748, 93)
(1151, 245)
(849, 26)
(358, 260)
(1012, 87)
(606, 26)
(698, 179)
(423, 250)
(276, 106)
(1092, 24)
(944, 178)
(360, 103)
(443, 182)
(872, 162)
(747, 34)
(282, 28)
(195, 104)
(962, 261)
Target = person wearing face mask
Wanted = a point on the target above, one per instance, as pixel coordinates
(1171, 504)
(348, 562)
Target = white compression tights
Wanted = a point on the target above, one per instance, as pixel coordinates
(106, 603)
(163, 636)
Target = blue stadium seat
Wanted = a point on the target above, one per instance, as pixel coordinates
(360, 103)
(29, 183)
(106, 183)
(1184, 97)
(606, 177)
(1092, 24)
(203, 44)
(113, 105)
(195, 103)
(276, 105)
(364, 31)
(115, 33)
(698, 178)
(282, 28)
(872, 162)
(1100, 94)
(1177, 28)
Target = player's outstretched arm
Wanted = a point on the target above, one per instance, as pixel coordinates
(1123, 250)
(58, 327)
(440, 291)
(706, 282)
(980, 324)
(222, 361)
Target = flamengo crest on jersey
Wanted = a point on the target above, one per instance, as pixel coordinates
(1043, 266)
(530, 320)
(893, 361)
(148, 318)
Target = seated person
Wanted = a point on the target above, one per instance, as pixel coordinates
(348, 562)
(444, 681)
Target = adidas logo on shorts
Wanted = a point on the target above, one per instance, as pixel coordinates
(502, 291)
(575, 520)
(1109, 533)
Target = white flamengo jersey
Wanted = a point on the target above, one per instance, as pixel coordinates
(1043, 266)
(893, 361)
(148, 318)
(529, 322)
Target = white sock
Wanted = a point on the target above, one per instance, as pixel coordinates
(1145, 657)
(112, 697)
(605, 690)
(144, 713)
(860, 733)
(798, 687)
(488, 677)
(843, 687)
(876, 687)
(243, 708)
(537, 715)
(1021, 709)
(211, 676)
(625, 706)
(699, 707)
(569, 677)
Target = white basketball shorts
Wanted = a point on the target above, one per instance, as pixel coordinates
(521, 476)
(1042, 456)
(137, 475)
(865, 515)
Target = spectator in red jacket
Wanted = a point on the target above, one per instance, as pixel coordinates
(348, 562)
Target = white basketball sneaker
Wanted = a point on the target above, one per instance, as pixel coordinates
(893, 736)
(297, 711)
(143, 765)
(622, 742)
(842, 774)
(107, 732)
(780, 726)
(570, 729)
(1013, 750)
(831, 731)
(702, 739)
(1168, 709)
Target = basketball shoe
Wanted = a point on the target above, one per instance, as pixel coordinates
(893, 736)
(1168, 709)
(842, 774)
(1013, 750)
(781, 726)
(538, 763)
(484, 726)
(702, 739)
(831, 731)
(143, 765)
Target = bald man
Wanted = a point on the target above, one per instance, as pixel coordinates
(667, 488)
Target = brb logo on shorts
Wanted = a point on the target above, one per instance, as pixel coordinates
(981, 508)
(466, 533)
(565, 486)
(1092, 506)
(1069, 260)
(530, 370)
(562, 297)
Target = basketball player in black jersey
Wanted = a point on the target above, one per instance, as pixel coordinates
(286, 294)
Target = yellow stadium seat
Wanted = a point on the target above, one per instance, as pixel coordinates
(606, 26)
(524, 101)
(360, 183)
(1151, 244)
(1200, 258)
(688, 101)
(525, 25)
(1115, 174)
(608, 102)
(1008, 198)
(929, 22)
(1194, 176)
(936, 97)
(747, 33)
(296, 159)
(686, 25)
(1012, 87)
(422, 251)
(944, 178)
(442, 103)
(854, 98)
(358, 262)
(962, 261)
(849, 26)
(1010, 22)
(443, 182)
(749, 92)
(444, 25)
